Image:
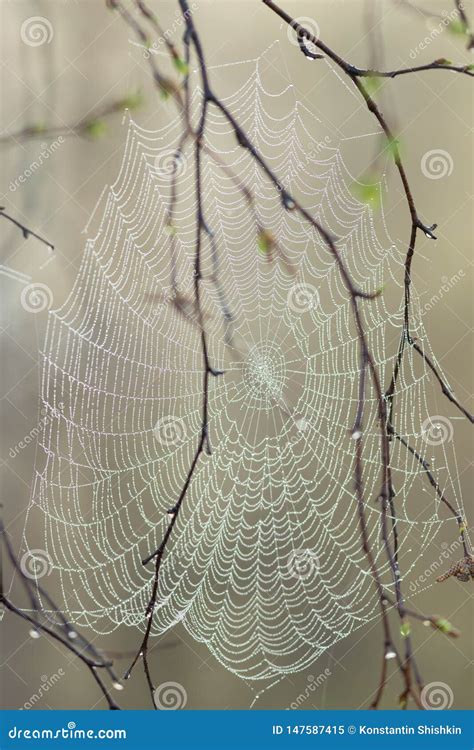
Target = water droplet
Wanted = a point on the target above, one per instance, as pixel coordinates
(390, 654)
(117, 685)
(356, 435)
(72, 635)
(34, 633)
(288, 202)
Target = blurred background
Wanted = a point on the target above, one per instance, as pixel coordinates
(88, 62)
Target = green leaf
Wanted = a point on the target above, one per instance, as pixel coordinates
(96, 128)
(443, 61)
(444, 626)
(393, 147)
(265, 241)
(458, 27)
(181, 65)
(167, 87)
(164, 93)
(372, 84)
(368, 190)
(134, 100)
(405, 629)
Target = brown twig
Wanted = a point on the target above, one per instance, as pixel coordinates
(26, 231)
(90, 126)
(71, 637)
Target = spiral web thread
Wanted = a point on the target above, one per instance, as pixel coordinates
(265, 563)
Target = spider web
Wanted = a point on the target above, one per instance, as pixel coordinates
(265, 563)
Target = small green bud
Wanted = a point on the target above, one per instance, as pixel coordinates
(181, 65)
(440, 623)
(265, 241)
(368, 190)
(393, 147)
(372, 84)
(458, 27)
(133, 100)
(95, 128)
(405, 629)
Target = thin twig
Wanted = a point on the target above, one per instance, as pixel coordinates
(31, 585)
